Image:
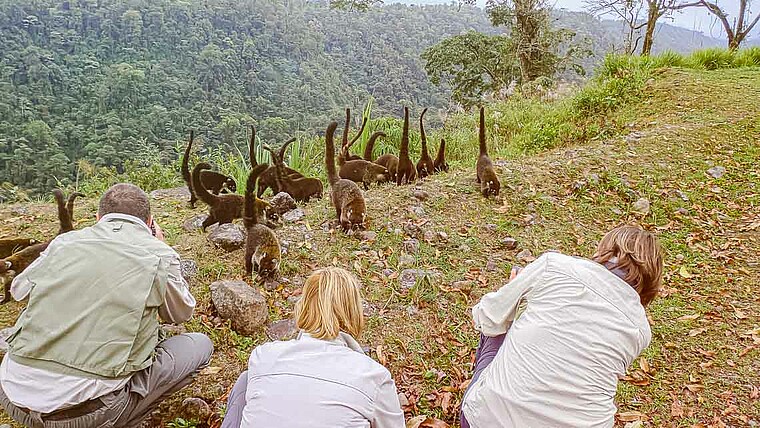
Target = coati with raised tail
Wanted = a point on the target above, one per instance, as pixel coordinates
(425, 164)
(14, 245)
(213, 181)
(345, 155)
(389, 161)
(262, 249)
(345, 195)
(365, 172)
(486, 175)
(268, 178)
(439, 164)
(405, 172)
(301, 188)
(17, 262)
(221, 208)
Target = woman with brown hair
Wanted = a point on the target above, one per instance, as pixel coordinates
(556, 338)
(322, 378)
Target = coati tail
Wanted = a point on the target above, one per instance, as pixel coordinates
(63, 214)
(201, 192)
(186, 163)
(251, 214)
(404, 151)
(344, 141)
(371, 144)
(482, 133)
(70, 206)
(332, 174)
(358, 135)
(281, 154)
(423, 137)
(252, 148)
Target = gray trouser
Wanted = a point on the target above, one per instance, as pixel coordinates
(178, 360)
(236, 403)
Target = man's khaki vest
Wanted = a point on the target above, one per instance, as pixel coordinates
(93, 307)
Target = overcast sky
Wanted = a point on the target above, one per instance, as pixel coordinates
(694, 19)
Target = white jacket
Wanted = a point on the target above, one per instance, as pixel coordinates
(559, 365)
(313, 383)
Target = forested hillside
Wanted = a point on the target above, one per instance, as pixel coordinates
(110, 81)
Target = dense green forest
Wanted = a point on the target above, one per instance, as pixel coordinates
(111, 81)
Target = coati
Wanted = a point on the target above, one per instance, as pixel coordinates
(65, 210)
(389, 161)
(17, 262)
(344, 194)
(439, 164)
(13, 245)
(301, 188)
(486, 175)
(268, 178)
(425, 164)
(405, 172)
(215, 182)
(365, 172)
(262, 249)
(221, 208)
(345, 155)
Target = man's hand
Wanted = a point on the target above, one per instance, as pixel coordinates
(515, 271)
(157, 232)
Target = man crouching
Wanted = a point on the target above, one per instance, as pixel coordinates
(87, 350)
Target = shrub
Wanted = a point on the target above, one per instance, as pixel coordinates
(749, 57)
(712, 59)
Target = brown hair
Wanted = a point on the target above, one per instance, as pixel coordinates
(330, 304)
(125, 198)
(639, 254)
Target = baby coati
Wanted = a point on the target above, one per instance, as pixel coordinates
(425, 164)
(268, 178)
(405, 172)
(389, 161)
(214, 182)
(262, 249)
(344, 155)
(17, 262)
(486, 175)
(439, 164)
(344, 194)
(301, 188)
(13, 245)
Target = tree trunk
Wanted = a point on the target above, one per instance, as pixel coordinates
(652, 15)
(733, 42)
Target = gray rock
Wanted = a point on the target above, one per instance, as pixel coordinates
(594, 178)
(411, 246)
(429, 236)
(579, 186)
(491, 266)
(421, 195)
(412, 311)
(492, 227)
(196, 408)
(443, 236)
(294, 215)
(684, 197)
(387, 272)
(271, 284)
(401, 399)
(282, 330)
(642, 206)
(19, 211)
(682, 211)
(617, 211)
(368, 235)
(716, 172)
(194, 223)
(173, 193)
(282, 203)
(229, 237)
(406, 260)
(410, 277)
(412, 229)
(294, 299)
(240, 303)
(418, 211)
(368, 309)
(509, 243)
(189, 269)
(633, 137)
(525, 256)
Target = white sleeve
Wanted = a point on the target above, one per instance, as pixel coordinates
(388, 413)
(21, 285)
(496, 311)
(179, 304)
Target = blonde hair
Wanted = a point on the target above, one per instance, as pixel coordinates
(639, 254)
(330, 303)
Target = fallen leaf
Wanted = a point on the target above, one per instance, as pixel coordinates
(697, 331)
(755, 393)
(380, 355)
(688, 317)
(426, 422)
(632, 416)
(676, 409)
(211, 370)
(685, 273)
(695, 388)
(644, 364)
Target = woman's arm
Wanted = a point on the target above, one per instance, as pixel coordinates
(496, 311)
(388, 413)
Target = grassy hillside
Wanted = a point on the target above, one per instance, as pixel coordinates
(702, 367)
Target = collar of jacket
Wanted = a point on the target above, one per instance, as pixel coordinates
(343, 339)
(124, 217)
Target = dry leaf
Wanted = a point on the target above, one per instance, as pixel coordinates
(210, 370)
(380, 355)
(685, 273)
(697, 331)
(695, 388)
(676, 409)
(425, 422)
(688, 317)
(644, 364)
(632, 416)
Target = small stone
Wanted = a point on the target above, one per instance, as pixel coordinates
(682, 195)
(368, 235)
(282, 330)
(492, 227)
(189, 269)
(617, 211)
(579, 186)
(411, 246)
(240, 303)
(173, 193)
(443, 236)
(410, 277)
(196, 408)
(594, 179)
(388, 272)
(633, 137)
(294, 299)
(642, 206)
(412, 311)
(194, 223)
(406, 260)
(509, 243)
(716, 172)
(412, 229)
(528, 219)
(368, 309)
(271, 284)
(491, 266)
(418, 211)
(397, 231)
(282, 203)
(429, 236)
(501, 163)
(229, 236)
(525, 256)
(421, 195)
(464, 248)
(463, 286)
(19, 211)
(401, 399)
(293, 215)
(682, 211)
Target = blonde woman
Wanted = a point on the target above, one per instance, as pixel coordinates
(581, 323)
(321, 379)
